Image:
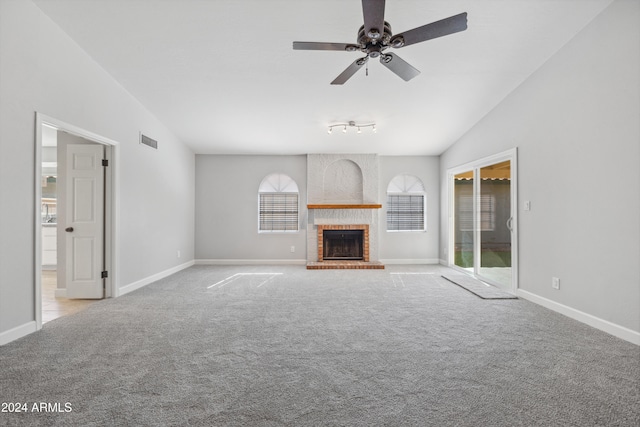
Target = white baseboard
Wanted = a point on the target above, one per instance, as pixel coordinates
(421, 261)
(17, 332)
(251, 262)
(593, 321)
(60, 293)
(153, 278)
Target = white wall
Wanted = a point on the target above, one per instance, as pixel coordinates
(576, 125)
(227, 209)
(43, 70)
(411, 247)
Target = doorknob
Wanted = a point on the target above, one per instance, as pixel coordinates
(68, 229)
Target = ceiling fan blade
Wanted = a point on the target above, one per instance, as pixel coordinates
(349, 47)
(373, 11)
(444, 27)
(350, 71)
(399, 66)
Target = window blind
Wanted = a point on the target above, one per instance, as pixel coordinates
(487, 212)
(278, 212)
(405, 212)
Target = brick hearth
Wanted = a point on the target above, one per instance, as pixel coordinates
(344, 265)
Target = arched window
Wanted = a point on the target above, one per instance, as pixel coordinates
(406, 204)
(278, 204)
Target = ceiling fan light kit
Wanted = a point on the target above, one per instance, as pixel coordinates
(352, 124)
(375, 36)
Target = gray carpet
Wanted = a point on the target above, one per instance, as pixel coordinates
(394, 347)
(477, 287)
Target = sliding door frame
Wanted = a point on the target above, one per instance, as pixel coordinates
(475, 166)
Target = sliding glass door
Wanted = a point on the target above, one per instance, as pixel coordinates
(464, 233)
(482, 220)
(495, 223)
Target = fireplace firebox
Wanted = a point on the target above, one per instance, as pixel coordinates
(348, 242)
(343, 244)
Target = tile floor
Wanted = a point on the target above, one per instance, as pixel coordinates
(53, 307)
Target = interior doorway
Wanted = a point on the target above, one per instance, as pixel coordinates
(483, 212)
(74, 231)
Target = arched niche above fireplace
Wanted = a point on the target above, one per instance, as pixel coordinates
(343, 182)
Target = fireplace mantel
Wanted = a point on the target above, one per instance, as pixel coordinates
(344, 206)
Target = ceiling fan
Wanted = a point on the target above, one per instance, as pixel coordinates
(375, 36)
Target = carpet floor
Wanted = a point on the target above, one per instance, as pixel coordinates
(287, 346)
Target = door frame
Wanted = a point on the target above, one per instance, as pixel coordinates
(512, 156)
(112, 151)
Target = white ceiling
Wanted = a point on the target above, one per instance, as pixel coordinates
(223, 76)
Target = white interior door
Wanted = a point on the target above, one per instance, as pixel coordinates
(84, 227)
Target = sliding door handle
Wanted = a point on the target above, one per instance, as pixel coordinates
(69, 229)
(510, 223)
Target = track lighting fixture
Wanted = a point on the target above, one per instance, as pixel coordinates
(352, 124)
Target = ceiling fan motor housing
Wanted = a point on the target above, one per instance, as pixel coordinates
(365, 41)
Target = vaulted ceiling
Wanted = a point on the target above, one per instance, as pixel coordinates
(222, 74)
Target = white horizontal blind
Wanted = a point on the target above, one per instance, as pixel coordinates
(405, 212)
(278, 212)
(487, 207)
(487, 212)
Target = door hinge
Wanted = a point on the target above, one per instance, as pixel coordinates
(105, 162)
(104, 275)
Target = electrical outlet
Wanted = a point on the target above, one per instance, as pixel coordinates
(555, 283)
(527, 205)
(293, 249)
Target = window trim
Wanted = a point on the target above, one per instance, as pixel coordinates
(275, 191)
(406, 184)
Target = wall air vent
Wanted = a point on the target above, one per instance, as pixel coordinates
(144, 139)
